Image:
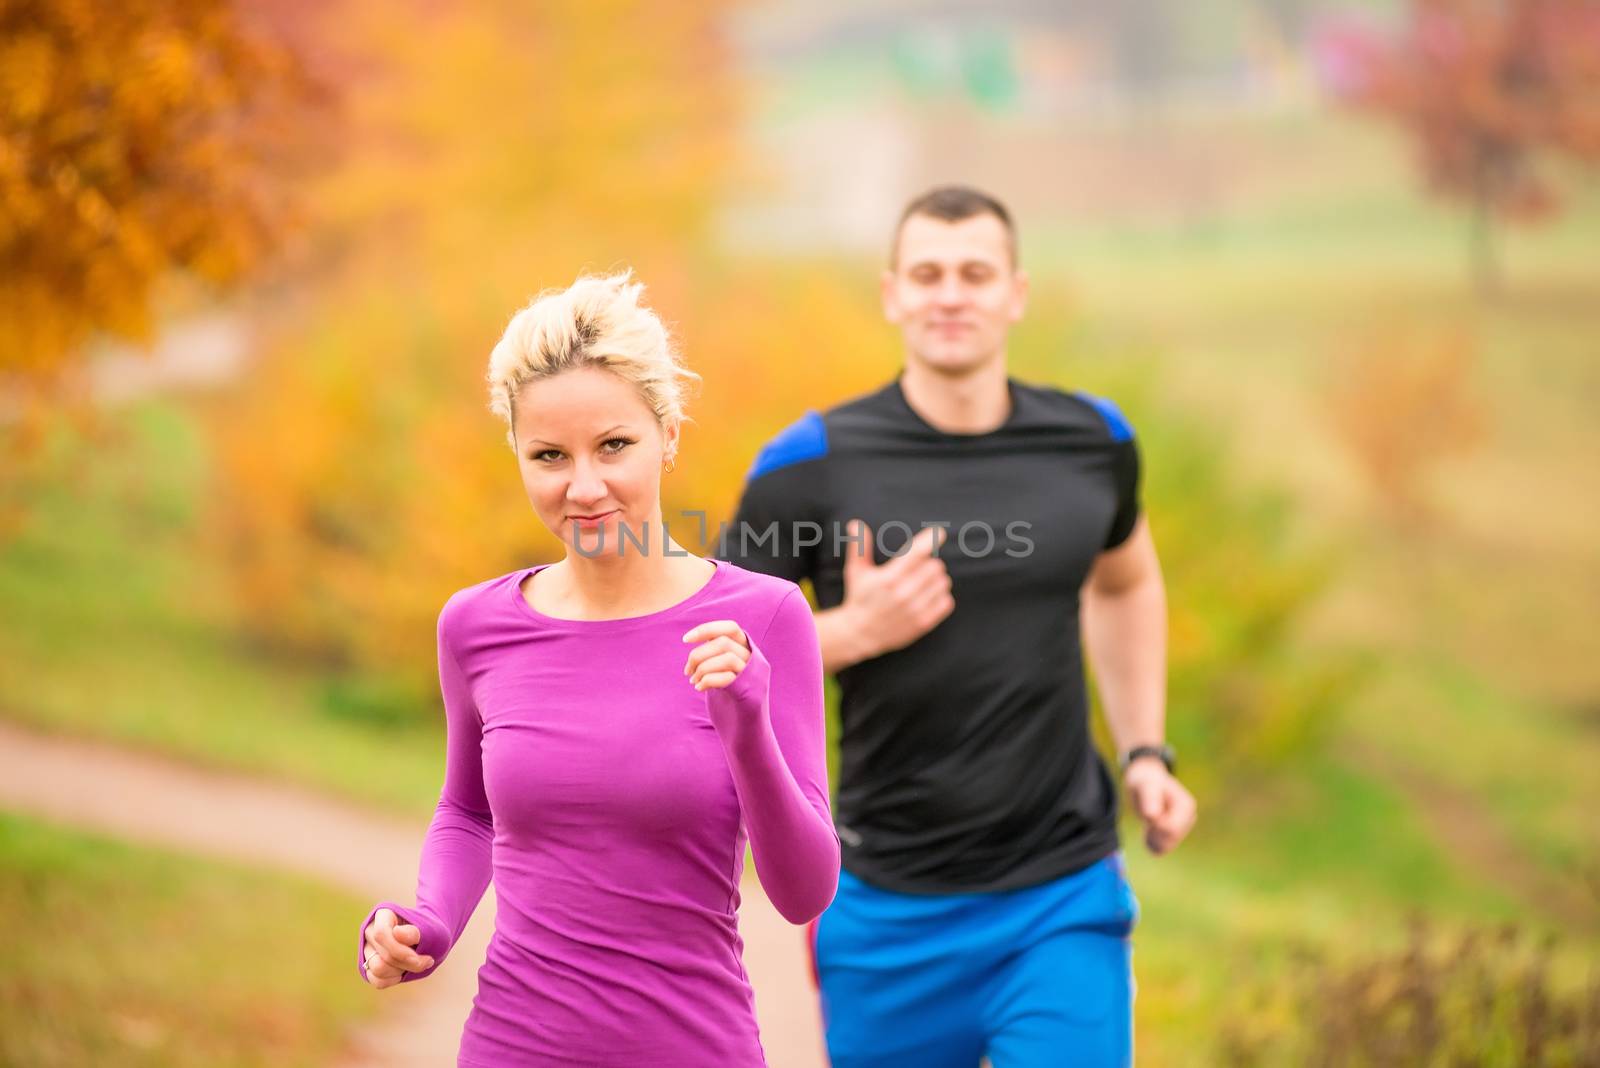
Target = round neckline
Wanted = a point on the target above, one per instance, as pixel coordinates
(956, 436)
(721, 568)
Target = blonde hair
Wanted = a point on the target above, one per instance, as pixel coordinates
(595, 322)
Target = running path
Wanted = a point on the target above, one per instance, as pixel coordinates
(153, 800)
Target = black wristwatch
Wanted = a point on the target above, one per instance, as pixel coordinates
(1164, 753)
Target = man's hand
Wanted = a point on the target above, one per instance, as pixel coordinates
(1165, 806)
(892, 605)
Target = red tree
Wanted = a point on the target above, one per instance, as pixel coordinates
(1490, 91)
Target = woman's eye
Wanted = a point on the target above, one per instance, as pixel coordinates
(616, 444)
(546, 455)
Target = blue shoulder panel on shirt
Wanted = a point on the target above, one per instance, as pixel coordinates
(1116, 422)
(804, 439)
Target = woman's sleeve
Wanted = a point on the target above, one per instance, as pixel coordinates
(772, 726)
(455, 866)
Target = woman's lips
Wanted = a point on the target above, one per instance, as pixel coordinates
(592, 520)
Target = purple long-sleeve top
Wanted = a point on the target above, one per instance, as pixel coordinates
(610, 803)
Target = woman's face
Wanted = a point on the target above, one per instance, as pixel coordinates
(590, 451)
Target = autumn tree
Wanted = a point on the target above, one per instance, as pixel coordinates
(1403, 404)
(1491, 92)
(138, 139)
(493, 150)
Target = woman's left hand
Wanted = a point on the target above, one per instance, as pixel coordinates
(720, 655)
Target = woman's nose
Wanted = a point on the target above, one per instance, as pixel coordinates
(586, 486)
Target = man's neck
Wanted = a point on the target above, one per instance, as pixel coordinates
(973, 403)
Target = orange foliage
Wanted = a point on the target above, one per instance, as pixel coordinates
(1403, 405)
(136, 139)
(496, 152)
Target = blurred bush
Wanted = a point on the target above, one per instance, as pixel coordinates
(361, 477)
(1248, 691)
(1402, 404)
(1472, 999)
(361, 480)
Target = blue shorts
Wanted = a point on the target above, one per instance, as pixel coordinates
(1029, 978)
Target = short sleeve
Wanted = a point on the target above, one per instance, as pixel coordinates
(776, 529)
(1127, 473)
(1125, 465)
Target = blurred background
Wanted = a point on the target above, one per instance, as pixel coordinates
(1339, 262)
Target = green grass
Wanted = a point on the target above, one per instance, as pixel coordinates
(128, 956)
(1336, 862)
(118, 625)
(1526, 767)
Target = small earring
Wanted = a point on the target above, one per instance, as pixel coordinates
(671, 465)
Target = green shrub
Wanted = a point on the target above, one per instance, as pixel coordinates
(1475, 999)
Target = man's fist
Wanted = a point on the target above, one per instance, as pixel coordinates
(1165, 806)
(904, 598)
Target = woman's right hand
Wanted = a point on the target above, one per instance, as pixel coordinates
(389, 951)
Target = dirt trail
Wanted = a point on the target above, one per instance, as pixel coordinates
(150, 799)
(1474, 838)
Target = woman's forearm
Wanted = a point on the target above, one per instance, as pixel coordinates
(456, 863)
(770, 719)
(796, 850)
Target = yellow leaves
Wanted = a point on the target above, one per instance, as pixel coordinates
(27, 64)
(495, 150)
(162, 69)
(136, 140)
(94, 211)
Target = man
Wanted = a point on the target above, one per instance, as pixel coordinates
(983, 909)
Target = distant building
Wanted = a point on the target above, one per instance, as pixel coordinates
(1054, 106)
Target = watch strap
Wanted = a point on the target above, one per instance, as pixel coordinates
(1164, 753)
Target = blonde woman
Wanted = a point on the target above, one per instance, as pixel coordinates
(618, 723)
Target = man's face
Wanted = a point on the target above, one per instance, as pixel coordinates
(954, 292)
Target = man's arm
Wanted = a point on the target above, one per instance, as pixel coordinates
(1125, 634)
(1124, 621)
(843, 639)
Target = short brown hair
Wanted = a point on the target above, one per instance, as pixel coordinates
(953, 203)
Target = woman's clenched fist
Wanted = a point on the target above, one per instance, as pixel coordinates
(390, 950)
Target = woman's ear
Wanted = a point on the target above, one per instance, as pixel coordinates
(669, 441)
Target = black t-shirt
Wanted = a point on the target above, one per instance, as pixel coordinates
(966, 761)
